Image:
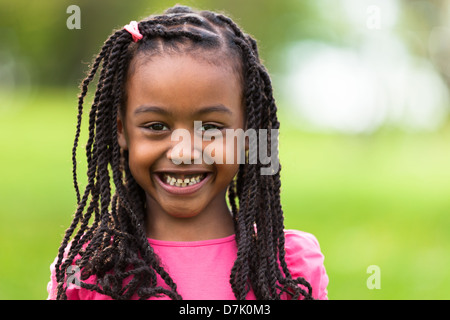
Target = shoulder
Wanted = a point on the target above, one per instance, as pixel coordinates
(72, 290)
(305, 259)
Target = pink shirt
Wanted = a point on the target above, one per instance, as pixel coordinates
(201, 269)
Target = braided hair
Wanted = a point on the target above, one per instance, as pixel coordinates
(107, 231)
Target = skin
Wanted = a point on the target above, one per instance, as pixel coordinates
(182, 88)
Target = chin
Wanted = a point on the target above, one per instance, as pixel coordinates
(182, 213)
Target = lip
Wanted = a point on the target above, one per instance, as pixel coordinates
(178, 171)
(184, 190)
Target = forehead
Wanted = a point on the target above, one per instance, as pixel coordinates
(182, 82)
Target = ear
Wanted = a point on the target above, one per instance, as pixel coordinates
(121, 136)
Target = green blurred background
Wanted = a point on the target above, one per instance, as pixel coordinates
(363, 93)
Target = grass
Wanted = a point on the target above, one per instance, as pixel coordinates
(370, 200)
(379, 200)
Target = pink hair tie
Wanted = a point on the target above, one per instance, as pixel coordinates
(132, 28)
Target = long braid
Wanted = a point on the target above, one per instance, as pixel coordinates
(268, 120)
(115, 247)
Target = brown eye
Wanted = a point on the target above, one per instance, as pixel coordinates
(207, 127)
(157, 126)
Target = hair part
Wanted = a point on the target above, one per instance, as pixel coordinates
(110, 241)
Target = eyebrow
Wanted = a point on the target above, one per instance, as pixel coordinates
(155, 109)
(163, 111)
(218, 108)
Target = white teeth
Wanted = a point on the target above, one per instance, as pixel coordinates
(169, 179)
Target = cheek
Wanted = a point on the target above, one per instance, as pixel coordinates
(226, 148)
(226, 155)
(141, 157)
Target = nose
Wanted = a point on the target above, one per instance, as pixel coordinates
(185, 148)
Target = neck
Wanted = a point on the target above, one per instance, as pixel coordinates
(214, 222)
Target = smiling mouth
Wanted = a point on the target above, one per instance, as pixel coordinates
(182, 180)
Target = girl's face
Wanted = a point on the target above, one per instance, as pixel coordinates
(169, 92)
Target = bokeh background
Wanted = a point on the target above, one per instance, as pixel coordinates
(363, 93)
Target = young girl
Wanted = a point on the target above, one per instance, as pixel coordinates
(189, 229)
